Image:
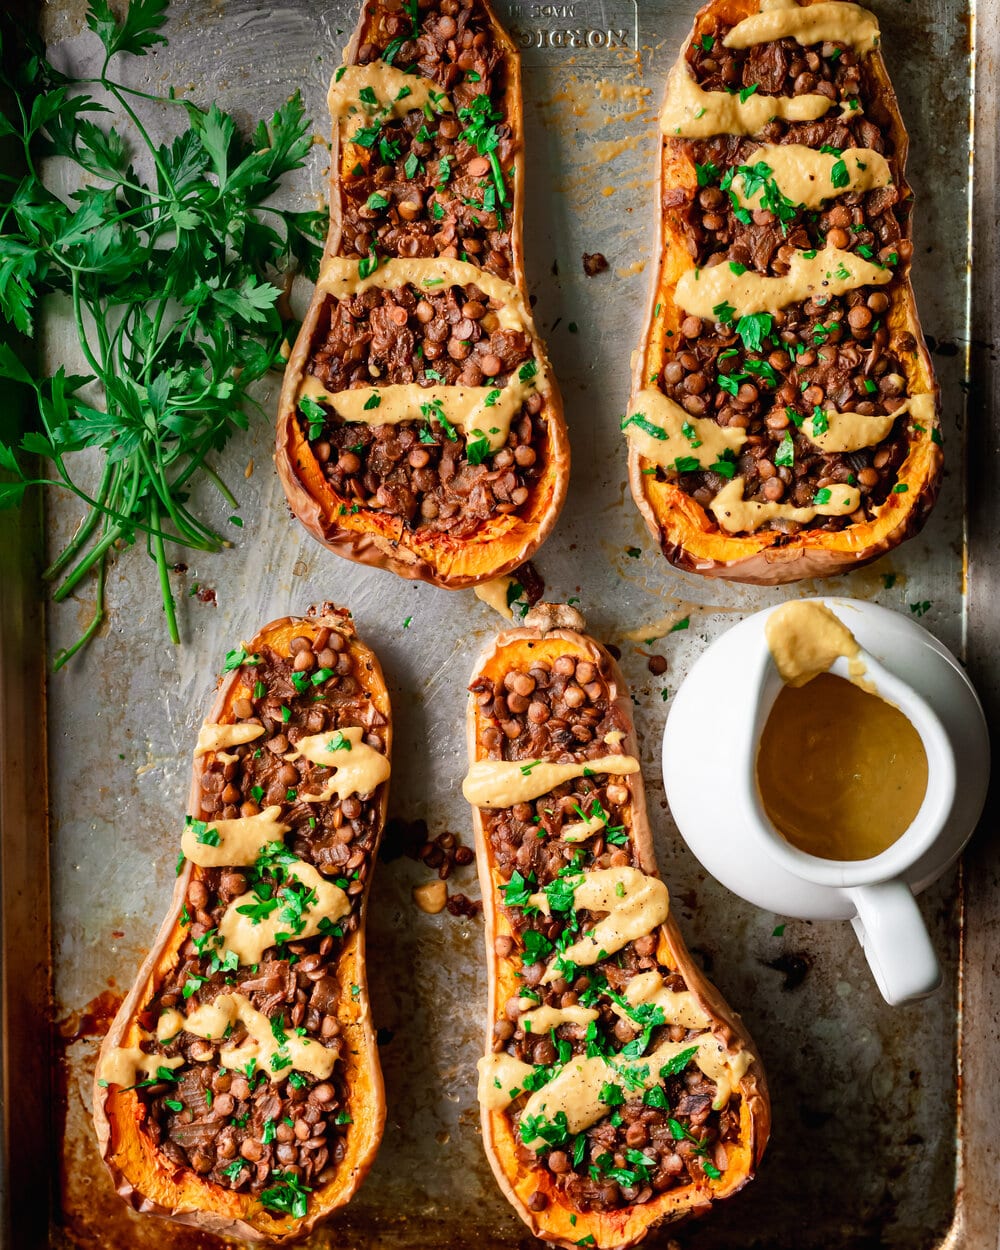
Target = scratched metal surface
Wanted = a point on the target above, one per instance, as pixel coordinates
(865, 1110)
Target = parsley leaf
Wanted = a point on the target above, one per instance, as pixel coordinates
(170, 282)
(287, 1195)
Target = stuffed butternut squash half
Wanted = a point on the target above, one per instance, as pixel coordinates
(420, 428)
(239, 1088)
(784, 418)
(618, 1091)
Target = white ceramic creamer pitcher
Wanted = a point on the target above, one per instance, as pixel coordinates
(710, 774)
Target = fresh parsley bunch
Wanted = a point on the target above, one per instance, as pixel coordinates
(172, 285)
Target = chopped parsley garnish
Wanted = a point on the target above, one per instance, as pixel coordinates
(639, 420)
(554, 1133)
(706, 174)
(755, 178)
(287, 1195)
(234, 659)
(785, 455)
(611, 1095)
(724, 313)
(314, 414)
(679, 1062)
(477, 448)
(536, 946)
(753, 329)
(518, 889)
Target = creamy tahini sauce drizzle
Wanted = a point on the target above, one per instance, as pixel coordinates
(678, 1006)
(216, 737)
(635, 905)
(240, 840)
(817, 23)
(806, 639)
(302, 1054)
(805, 176)
(850, 431)
(829, 272)
(126, 1065)
(169, 1024)
(249, 940)
(396, 94)
(358, 768)
(478, 411)
(541, 1019)
(708, 443)
(737, 515)
(500, 1079)
(581, 830)
(494, 594)
(694, 113)
(576, 1090)
(502, 783)
(340, 277)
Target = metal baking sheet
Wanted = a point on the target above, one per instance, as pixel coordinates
(872, 1144)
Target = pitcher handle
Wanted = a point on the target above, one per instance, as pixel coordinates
(894, 938)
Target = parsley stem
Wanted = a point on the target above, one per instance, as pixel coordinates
(96, 553)
(86, 528)
(67, 653)
(81, 332)
(116, 91)
(220, 485)
(161, 563)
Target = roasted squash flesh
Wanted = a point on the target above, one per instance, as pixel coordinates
(239, 1088)
(420, 427)
(784, 419)
(618, 1090)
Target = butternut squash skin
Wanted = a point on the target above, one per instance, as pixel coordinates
(560, 1223)
(499, 544)
(145, 1179)
(688, 535)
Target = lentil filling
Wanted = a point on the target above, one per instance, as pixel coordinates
(650, 1140)
(768, 373)
(236, 1126)
(435, 182)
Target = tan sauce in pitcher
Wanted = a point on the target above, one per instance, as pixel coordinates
(841, 773)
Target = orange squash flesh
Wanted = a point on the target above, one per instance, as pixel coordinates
(688, 535)
(149, 1181)
(502, 541)
(560, 1221)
